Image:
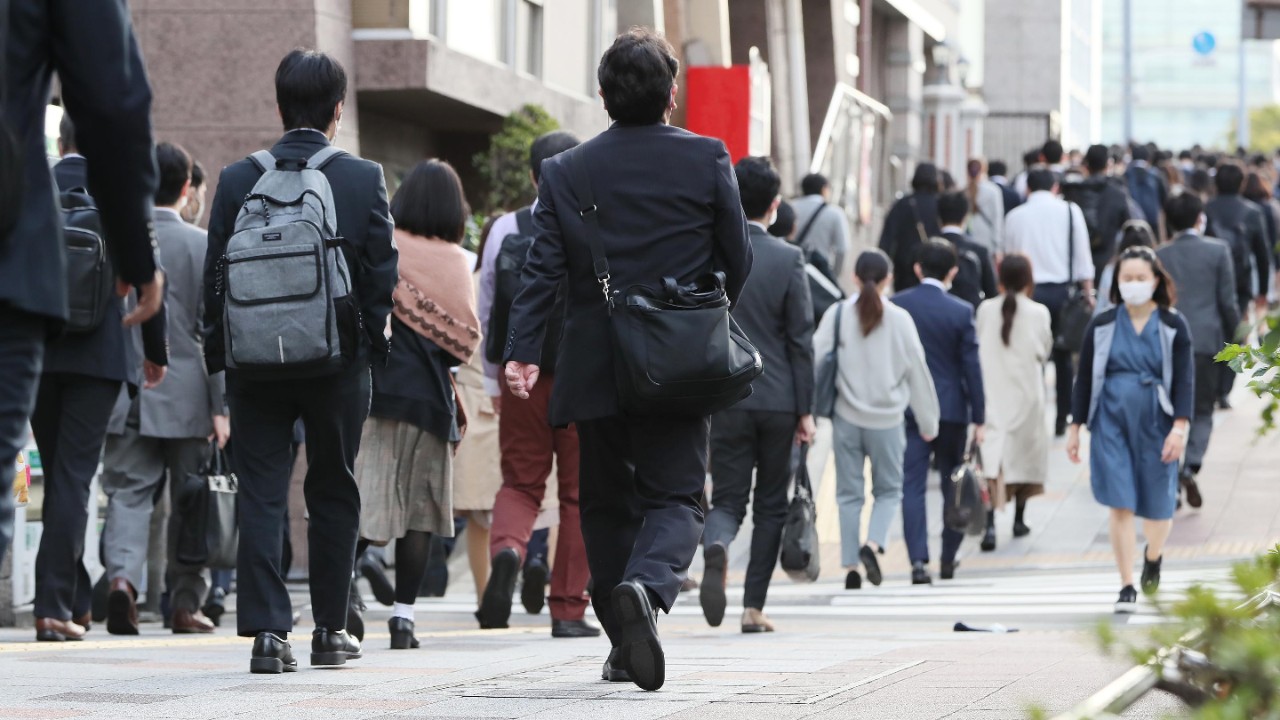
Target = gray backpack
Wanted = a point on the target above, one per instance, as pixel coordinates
(289, 302)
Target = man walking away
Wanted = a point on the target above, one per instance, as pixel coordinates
(822, 226)
(330, 396)
(950, 345)
(910, 222)
(757, 435)
(976, 277)
(1203, 272)
(163, 431)
(1053, 235)
(641, 478)
(998, 171)
(1103, 204)
(1145, 186)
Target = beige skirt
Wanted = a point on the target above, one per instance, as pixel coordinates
(405, 476)
(477, 475)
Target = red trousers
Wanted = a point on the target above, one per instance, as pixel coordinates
(528, 443)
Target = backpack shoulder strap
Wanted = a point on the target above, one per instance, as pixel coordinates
(804, 233)
(324, 157)
(264, 160)
(524, 221)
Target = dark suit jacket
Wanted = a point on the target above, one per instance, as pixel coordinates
(976, 280)
(104, 87)
(107, 351)
(1232, 212)
(901, 238)
(668, 207)
(1203, 272)
(776, 313)
(950, 344)
(1011, 197)
(364, 223)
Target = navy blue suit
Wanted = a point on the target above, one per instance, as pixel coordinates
(945, 324)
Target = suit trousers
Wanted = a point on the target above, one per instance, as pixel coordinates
(1054, 296)
(948, 448)
(333, 409)
(70, 425)
(134, 470)
(642, 482)
(529, 444)
(1202, 420)
(21, 355)
(743, 441)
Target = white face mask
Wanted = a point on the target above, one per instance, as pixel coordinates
(1137, 293)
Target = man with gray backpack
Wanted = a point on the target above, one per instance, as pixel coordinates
(298, 282)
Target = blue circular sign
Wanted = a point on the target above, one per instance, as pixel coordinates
(1204, 42)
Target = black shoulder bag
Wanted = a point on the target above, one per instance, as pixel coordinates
(1076, 312)
(677, 351)
(799, 555)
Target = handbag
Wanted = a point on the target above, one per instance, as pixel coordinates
(1076, 313)
(825, 390)
(799, 556)
(971, 496)
(676, 348)
(208, 535)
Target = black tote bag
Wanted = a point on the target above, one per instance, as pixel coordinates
(799, 556)
(208, 534)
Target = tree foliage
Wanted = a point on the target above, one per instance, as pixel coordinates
(504, 167)
(1264, 130)
(1260, 362)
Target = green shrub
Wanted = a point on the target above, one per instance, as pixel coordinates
(504, 167)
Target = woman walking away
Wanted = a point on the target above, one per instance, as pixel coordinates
(881, 371)
(1014, 342)
(1136, 386)
(405, 466)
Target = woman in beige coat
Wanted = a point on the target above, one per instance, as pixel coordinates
(1014, 340)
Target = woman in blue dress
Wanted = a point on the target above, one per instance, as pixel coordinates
(1135, 389)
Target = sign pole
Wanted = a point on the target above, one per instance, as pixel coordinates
(1128, 71)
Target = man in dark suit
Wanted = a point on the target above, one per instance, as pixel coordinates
(910, 221)
(756, 436)
(1201, 268)
(1103, 201)
(667, 205)
(103, 83)
(975, 275)
(946, 330)
(998, 171)
(310, 90)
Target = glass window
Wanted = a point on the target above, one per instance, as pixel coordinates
(529, 37)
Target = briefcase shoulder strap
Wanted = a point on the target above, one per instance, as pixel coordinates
(589, 212)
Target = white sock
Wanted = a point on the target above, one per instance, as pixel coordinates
(402, 610)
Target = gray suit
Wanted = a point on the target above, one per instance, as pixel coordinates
(1202, 270)
(165, 429)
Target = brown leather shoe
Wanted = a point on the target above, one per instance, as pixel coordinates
(186, 622)
(85, 621)
(122, 608)
(754, 621)
(51, 630)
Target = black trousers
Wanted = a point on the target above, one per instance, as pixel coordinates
(743, 441)
(948, 449)
(21, 355)
(70, 425)
(333, 410)
(1054, 296)
(641, 483)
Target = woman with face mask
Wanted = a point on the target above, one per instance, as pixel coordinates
(1136, 387)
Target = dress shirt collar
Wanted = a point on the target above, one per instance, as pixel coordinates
(952, 230)
(999, 179)
(73, 156)
(168, 213)
(935, 283)
(305, 135)
(1042, 196)
(764, 228)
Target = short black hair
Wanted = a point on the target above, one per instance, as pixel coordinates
(636, 75)
(67, 133)
(430, 202)
(814, 184)
(1183, 211)
(1185, 155)
(548, 146)
(1031, 158)
(937, 257)
(1096, 159)
(953, 208)
(758, 185)
(197, 174)
(1229, 179)
(1140, 152)
(1052, 151)
(997, 168)
(786, 222)
(174, 165)
(1041, 179)
(309, 86)
(925, 178)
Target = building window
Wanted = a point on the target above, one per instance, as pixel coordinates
(439, 18)
(529, 37)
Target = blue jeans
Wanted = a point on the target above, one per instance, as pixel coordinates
(853, 446)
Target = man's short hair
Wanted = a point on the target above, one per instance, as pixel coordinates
(926, 178)
(197, 174)
(758, 185)
(1183, 211)
(174, 165)
(636, 75)
(1229, 179)
(786, 222)
(997, 168)
(1031, 158)
(1041, 179)
(953, 208)
(814, 184)
(309, 86)
(1052, 152)
(1185, 155)
(937, 257)
(1096, 159)
(67, 133)
(1140, 152)
(548, 146)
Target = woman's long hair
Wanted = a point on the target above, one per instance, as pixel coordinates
(1015, 278)
(872, 268)
(976, 170)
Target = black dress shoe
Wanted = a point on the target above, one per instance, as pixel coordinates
(711, 593)
(853, 581)
(989, 538)
(215, 606)
(371, 569)
(1187, 480)
(533, 588)
(641, 651)
(949, 570)
(495, 605)
(613, 671)
(1020, 529)
(574, 629)
(333, 647)
(271, 655)
(402, 634)
(920, 574)
(871, 564)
